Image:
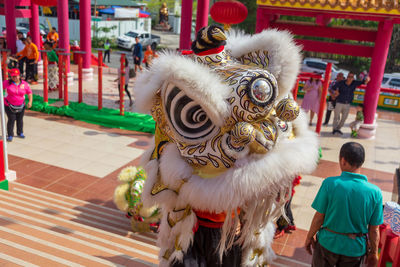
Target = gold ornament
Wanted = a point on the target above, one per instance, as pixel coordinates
(287, 109)
(242, 134)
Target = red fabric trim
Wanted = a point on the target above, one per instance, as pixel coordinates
(195, 227)
(210, 224)
(186, 52)
(211, 51)
(215, 217)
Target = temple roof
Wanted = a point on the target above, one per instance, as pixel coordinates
(381, 7)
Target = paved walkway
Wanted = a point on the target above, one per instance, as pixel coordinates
(79, 162)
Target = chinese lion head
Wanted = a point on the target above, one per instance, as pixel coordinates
(228, 138)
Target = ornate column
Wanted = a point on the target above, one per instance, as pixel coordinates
(186, 24)
(262, 21)
(86, 38)
(35, 31)
(9, 8)
(34, 25)
(376, 71)
(203, 7)
(63, 32)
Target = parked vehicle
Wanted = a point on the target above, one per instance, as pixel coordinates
(127, 40)
(391, 80)
(317, 65)
(19, 29)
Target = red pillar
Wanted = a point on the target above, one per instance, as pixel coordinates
(85, 32)
(60, 75)
(66, 58)
(45, 77)
(80, 90)
(322, 102)
(34, 26)
(377, 70)
(186, 24)
(122, 85)
(203, 7)
(262, 21)
(63, 27)
(2, 169)
(11, 38)
(100, 84)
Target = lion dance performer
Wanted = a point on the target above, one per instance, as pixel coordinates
(228, 142)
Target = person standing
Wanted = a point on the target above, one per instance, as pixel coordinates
(14, 103)
(313, 89)
(107, 47)
(348, 208)
(53, 66)
(149, 55)
(345, 94)
(52, 36)
(31, 53)
(20, 46)
(332, 97)
(137, 54)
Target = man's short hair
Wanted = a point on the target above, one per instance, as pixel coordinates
(353, 153)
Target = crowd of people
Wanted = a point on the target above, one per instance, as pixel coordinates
(341, 95)
(23, 71)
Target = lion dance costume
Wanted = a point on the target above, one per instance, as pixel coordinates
(229, 141)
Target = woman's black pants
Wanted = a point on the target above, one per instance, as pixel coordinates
(12, 117)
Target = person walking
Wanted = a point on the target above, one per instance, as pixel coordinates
(332, 97)
(31, 53)
(14, 103)
(137, 54)
(126, 81)
(348, 208)
(107, 47)
(313, 89)
(345, 94)
(53, 66)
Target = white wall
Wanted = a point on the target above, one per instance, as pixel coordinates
(123, 26)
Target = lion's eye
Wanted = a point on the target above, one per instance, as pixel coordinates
(261, 91)
(186, 116)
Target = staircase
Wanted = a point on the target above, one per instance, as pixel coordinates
(40, 228)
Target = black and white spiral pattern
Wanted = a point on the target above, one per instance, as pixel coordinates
(186, 116)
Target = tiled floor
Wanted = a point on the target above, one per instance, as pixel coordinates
(82, 161)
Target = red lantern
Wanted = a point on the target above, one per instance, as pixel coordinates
(45, 2)
(228, 12)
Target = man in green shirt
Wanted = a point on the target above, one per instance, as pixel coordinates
(348, 208)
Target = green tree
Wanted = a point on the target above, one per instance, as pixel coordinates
(249, 24)
(393, 59)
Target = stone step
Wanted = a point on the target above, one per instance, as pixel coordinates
(40, 228)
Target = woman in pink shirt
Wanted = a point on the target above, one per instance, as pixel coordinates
(14, 103)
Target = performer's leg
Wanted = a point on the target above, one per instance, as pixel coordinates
(345, 113)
